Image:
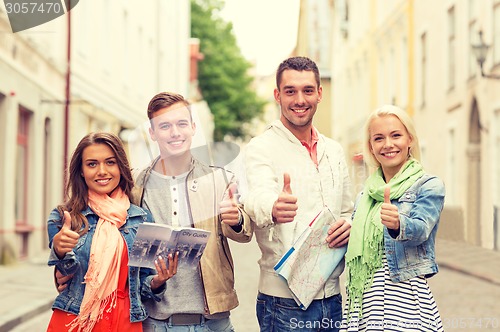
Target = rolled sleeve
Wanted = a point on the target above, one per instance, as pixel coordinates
(148, 293)
(67, 265)
(424, 214)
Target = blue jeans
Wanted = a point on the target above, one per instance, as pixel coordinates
(276, 314)
(210, 325)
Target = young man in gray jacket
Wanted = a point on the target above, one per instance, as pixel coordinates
(180, 190)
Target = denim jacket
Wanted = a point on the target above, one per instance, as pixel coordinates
(76, 262)
(411, 251)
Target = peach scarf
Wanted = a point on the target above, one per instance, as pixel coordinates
(105, 255)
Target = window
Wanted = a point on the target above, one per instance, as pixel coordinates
(391, 77)
(21, 179)
(3, 124)
(125, 55)
(423, 68)
(83, 31)
(47, 180)
(404, 74)
(473, 37)
(496, 183)
(451, 48)
(496, 173)
(451, 183)
(343, 9)
(496, 34)
(381, 81)
(105, 36)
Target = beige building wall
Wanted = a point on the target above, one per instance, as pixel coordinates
(122, 54)
(32, 84)
(457, 109)
(313, 41)
(417, 55)
(369, 68)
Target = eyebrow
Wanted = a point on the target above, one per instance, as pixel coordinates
(113, 157)
(392, 132)
(294, 87)
(169, 122)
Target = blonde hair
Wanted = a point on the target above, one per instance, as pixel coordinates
(407, 122)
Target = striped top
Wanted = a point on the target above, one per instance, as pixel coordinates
(387, 306)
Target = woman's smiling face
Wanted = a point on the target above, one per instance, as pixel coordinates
(100, 168)
(389, 143)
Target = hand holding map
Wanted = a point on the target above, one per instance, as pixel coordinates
(308, 264)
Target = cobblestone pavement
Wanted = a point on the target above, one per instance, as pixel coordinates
(467, 290)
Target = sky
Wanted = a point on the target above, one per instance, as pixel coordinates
(266, 30)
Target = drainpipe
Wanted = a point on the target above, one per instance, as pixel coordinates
(67, 97)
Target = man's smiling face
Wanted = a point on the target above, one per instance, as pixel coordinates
(173, 130)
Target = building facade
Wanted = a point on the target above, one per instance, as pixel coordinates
(418, 55)
(314, 41)
(120, 54)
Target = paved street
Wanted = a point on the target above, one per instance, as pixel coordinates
(466, 303)
(244, 319)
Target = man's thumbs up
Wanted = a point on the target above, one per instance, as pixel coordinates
(286, 184)
(228, 208)
(389, 214)
(285, 207)
(66, 239)
(233, 187)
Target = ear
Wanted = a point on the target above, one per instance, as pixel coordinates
(277, 96)
(152, 134)
(193, 125)
(370, 148)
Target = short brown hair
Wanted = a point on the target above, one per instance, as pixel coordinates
(298, 63)
(166, 99)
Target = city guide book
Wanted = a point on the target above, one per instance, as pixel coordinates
(153, 240)
(308, 264)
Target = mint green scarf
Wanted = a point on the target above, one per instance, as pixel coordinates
(366, 242)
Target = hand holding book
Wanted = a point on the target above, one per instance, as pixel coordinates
(164, 271)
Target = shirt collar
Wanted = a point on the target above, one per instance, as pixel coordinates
(314, 138)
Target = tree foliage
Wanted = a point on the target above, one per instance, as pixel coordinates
(223, 74)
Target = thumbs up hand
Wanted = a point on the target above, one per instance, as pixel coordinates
(66, 239)
(388, 212)
(285, 207)
(228, 208)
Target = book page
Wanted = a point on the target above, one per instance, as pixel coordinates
(154, 240)
(191, 243)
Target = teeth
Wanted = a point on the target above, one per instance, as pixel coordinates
(103, 181)
(176, 143)
(390, 154)
(299, 111)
